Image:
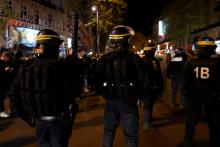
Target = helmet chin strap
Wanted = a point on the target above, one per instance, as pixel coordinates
(39, 50)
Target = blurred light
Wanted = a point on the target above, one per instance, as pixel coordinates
(167, 45)
(90, 53)
(171, 47)
(161, 33)
(28, 36)
(193, 47)
(217, 42)
(158, 47)
(94, 8)
(69, 42)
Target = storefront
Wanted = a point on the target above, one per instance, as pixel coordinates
(23, 34)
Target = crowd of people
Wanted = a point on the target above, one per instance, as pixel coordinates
(43, 90)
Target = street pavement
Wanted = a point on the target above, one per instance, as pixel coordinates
(167, 131)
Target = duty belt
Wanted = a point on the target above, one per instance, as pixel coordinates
(49, 118)
(122, 84)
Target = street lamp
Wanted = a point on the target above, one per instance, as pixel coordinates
(95, 9)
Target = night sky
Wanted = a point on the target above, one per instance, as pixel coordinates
(142, 14)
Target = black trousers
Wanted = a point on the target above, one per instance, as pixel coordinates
(212, 106)
(213, 110)
(194, 114)
(52, 133)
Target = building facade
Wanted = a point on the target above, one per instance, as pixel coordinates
(20, 21)
(212, 28)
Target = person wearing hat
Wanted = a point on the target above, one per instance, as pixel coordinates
(42, 92)
(119, 79)
(201, 77)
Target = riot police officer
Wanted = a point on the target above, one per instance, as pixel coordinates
(199, 85)
(120, 81)
(155, 89)
(42, 90)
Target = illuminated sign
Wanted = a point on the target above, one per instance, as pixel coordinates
(162, 27)
(28, 36)
(160, 33)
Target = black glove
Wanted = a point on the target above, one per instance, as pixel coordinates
(70, 113)
(20, 112)
(28, 119)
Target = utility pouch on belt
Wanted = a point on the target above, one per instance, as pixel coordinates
(119, 90)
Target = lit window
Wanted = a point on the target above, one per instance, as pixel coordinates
(23, 11)
(50, 18)
(9, 4)
(61, 4)
(37, 17)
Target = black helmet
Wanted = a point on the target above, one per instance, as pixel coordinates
(149, 49)
(205, 46)
(48, 42)
(119, 38)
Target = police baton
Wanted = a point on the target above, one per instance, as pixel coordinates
(75, 27)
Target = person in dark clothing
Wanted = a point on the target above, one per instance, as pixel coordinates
(6, 72)
(75, 72)
(175, 73)
(155, 89)
(17, 57)
(201, 88)
(120, 80)
(43, 91)
(89, 63)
